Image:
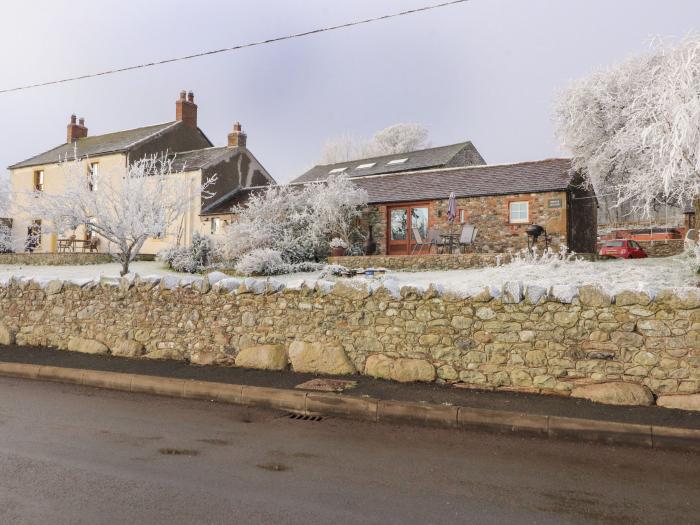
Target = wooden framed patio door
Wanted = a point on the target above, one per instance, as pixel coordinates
(400, 223)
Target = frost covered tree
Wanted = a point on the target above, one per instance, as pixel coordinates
(296, 222)
(399, 138)
(634, 129)
(146, 202)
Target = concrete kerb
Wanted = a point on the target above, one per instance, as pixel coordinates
(369, 409)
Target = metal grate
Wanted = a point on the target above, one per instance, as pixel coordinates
(302, 417)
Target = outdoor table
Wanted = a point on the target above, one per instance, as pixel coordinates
(69, 245)
(449, 240)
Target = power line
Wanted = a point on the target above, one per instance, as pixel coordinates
(236, 47)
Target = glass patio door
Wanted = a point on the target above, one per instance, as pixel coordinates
(401, 221)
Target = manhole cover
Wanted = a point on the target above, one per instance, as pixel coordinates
(327, 385)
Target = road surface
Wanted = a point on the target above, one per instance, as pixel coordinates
(72, 454)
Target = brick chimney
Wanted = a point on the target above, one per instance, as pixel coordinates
(186, 109)
(237, 138)
(76, 130)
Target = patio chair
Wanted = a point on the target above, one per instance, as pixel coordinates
(435, 239)
(420, 242)
(692, 238)
(467, 236)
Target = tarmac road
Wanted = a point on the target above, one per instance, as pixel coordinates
(73, 454)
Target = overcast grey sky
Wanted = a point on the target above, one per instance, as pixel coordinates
(484, 71)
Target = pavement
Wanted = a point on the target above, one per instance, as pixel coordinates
(73, 454)
(433, 393)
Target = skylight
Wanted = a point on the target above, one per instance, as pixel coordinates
(338, 170)
(396, 161)
(365, 166)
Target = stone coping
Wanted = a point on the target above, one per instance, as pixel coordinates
(511, 292)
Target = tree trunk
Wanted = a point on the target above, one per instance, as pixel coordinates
(125, 260)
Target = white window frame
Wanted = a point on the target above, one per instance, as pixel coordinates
(518, 219)
(93, 173)
(38, 179)
(216, 225)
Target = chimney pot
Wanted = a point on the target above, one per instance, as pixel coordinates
(76, 129)
(237, 138)
(186, 109)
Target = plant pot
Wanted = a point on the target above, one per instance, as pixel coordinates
(337, 252)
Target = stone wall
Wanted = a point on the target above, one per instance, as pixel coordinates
(664, 248)
(420, 262)
(490, 215)
(55, 259)
(517, 337)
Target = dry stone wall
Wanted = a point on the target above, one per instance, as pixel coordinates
(55, 259)
(515, 337)
(415, 263)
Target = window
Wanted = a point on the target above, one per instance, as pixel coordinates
(396, 161)
(217, 226)
(519, 212)
(39, 180)
(365, 166)
(462, 215)
(338, 170)
(93, 171)
(33, 236)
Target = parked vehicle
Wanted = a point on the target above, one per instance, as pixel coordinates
(622, 249)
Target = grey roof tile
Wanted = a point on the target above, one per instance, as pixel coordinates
(96, 145)
(420, 159)
(470, 181)
(200, 158)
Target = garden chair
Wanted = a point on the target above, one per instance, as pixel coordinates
(691, 239)
(420, 242)
(467, 236)
(435, 239)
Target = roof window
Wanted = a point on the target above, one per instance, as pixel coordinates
(338, 170)
(396, 161)
(365, 166)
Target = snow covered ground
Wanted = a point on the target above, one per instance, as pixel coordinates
(613, 276)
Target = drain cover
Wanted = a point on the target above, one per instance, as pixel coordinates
(327, 385)
(302, 417)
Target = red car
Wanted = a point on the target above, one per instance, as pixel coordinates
(622, 249)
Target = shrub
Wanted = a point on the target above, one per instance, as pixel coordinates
(192, 259)
(262, 261)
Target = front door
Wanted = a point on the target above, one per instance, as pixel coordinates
(401, 220)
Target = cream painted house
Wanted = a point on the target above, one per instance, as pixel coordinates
(193, 153)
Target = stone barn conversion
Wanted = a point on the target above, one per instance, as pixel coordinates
(410, 191)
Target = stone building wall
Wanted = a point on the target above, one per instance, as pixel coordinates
(517, 337)
(490, 215)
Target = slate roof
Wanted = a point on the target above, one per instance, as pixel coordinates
(97, 145)
(201, 158)
(470, 181)
(421, 159)
(223, 205)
